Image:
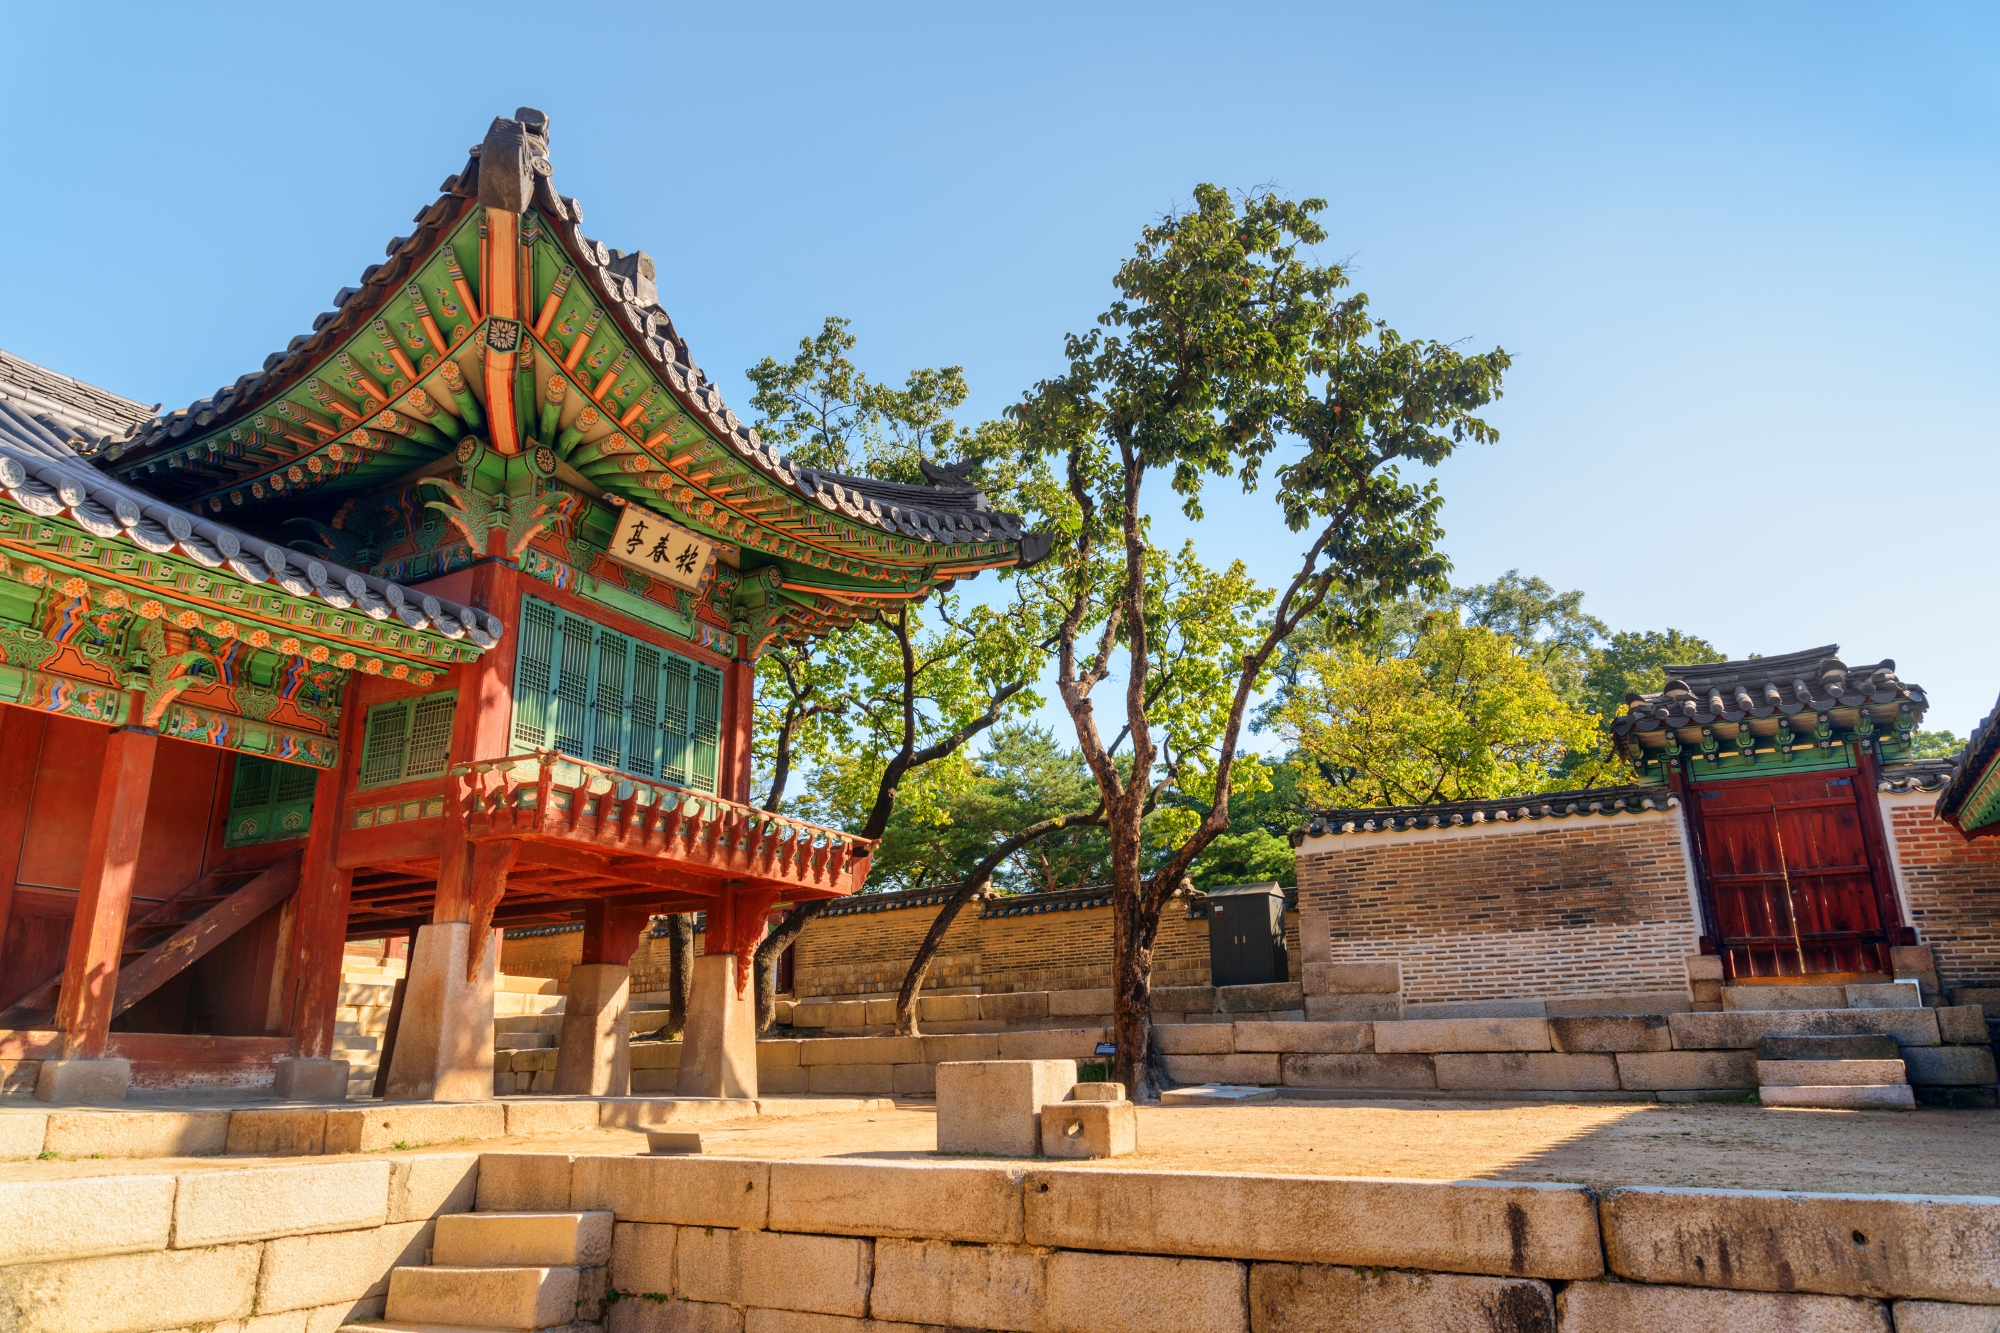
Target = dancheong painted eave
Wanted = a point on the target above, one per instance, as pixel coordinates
(559, 348)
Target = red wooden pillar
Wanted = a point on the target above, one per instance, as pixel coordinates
(480, 729)
(319, 935)
(611, 934)
(739, 693)
(97, 940)
(20, 758)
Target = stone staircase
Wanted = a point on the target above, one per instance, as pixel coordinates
(1844, 1073)
(524, 1047)
(511, 1271)
(368, 988)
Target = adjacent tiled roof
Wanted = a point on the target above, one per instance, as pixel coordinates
(40, 470)
(1813, 681)
(1977, 756)
(1456, 814)
(1915, 775)
(70, 406)
(623, 284)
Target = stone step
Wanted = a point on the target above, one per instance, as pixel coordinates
(1865, 1097)
(1829, 1073)
(489, 1298)
(1853, 1046)
(523, 1041)
(504, 1240)
(355, 1045)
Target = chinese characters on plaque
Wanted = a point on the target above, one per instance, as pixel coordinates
(666, 550)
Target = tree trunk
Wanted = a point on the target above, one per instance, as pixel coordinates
(680, 972)
(765, 971)
(920, 966)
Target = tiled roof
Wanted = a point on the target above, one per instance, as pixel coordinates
(41, 472)
(624, 285)
(1813, 681)
(1915, 775)
(1457, 814)
(1973, 761)
(81, 410)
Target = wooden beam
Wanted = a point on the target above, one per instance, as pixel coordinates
(111, 856)
(165, 961)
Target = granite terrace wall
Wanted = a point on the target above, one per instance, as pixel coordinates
(280, 1247)
(1578, 905)
(1950, 887)
(839, 1246)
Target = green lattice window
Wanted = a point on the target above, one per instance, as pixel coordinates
(269, 801)
(605, 697)
(407, 739)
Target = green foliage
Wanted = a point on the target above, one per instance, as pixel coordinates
(1935, 745)
(1466, 714)
(1635, 663)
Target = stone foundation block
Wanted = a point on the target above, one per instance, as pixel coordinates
(1964, 1024)
(994, 1106)
(1259, 999)
(1316, 1298)
(860, 1051)
(774, 1270)
(1477, 1009)
(1097, 1092)
(1132, 1293)
(881, 1013)
(691, 1191)
(1863, 1046)
(1413, 1073)
(277, 1132)
(812, 1014)
(852, 1080)
(1512, 1071)
(1353, 978)
(1305, 1038)
(73, 1082)
(1618, 1307)
(1353, 1008)
(1937, 1317)
(1090, 1129)
(1658, 1071)
(1841, 1096)
(412, 1124)
(523, 1298)
(1195, 1038)
(1184, 999)
(958, 1286)
(298, 1079)
(1502, 1230)
(1061, 1044)
(792, 1082)
(163, 1289)
(683, 1317)
(1079, 1003)
(1016, 1004)
(947, 1008)
(303, 1272)
(42, 1221)
(656, 1055)
(554, 1115)
(1741, 1029)
(1887, 996)
(595, 1055)
(642, 1258)
(432, 1184)
(1703, 967)
(138, 1133)
(1463, 1034)
(1611, 1034)
(782, 1055)
(963, 1047)
(532, 1240)
(218, 1207)
(1912, 958)
(969, 1202)
(1756, 999)
(914, 1080)
(1829, 1244)
(1315, 936)
(22, 1133)
(1828, 1073)
(510, 1182)
(1626, 1004)
(1260, 1069)
(1954, 1066)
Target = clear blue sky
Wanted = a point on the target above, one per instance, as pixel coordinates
(1743, 257)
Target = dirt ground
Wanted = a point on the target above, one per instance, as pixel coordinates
(1718, 1146)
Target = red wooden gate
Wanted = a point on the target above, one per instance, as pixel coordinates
(1795, 885)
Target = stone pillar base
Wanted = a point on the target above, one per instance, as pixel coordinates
(73, 1081)
(594, 1055)
(444, 1044)
(306, 1080)
(719, 1045)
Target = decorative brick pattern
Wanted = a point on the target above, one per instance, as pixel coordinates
(1951, 887)
(1543, 909)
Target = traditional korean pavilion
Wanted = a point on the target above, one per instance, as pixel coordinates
(444, 618)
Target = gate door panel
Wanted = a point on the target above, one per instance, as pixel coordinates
(1788, 871)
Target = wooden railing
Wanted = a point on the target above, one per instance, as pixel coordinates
(551, 795)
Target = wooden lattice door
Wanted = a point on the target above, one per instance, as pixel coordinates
(1793, 885)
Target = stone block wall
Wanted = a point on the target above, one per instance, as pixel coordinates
(1951, 889)
(1569, 906)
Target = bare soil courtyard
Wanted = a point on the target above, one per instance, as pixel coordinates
(1729, 1146)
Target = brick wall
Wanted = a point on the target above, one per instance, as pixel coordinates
(1951, 889)
(1559, 907)
(555, 954)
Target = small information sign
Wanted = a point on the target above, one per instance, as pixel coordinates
(661, 547)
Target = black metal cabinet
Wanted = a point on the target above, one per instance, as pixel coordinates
(1246, 934)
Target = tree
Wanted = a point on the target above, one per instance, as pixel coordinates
(1224, 340)
(1935, 745)
(1465, 715)
(1636, 663)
